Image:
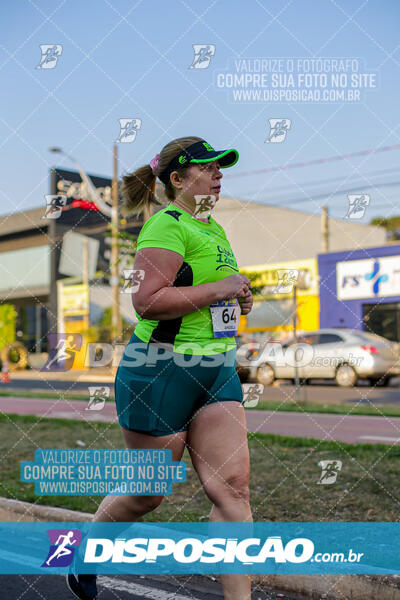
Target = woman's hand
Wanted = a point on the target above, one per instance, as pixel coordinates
(233, 286)
(246, 303)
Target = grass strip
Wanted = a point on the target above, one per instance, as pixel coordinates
(284, 474)
(369, 409)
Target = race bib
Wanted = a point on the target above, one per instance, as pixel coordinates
(225, 316)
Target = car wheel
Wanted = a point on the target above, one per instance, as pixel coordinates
(346, 376)
(379, 381)
(265, 375)
(243, 373)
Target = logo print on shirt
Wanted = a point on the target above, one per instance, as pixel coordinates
(226, 258)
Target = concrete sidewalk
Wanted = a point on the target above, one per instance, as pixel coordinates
(99, 375)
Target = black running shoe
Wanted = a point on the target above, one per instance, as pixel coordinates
(83, 586)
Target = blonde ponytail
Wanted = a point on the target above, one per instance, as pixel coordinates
(139, 188)
(139, 191)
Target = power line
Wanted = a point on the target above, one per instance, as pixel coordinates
(333, 180)
(325, 195)
(317, 161)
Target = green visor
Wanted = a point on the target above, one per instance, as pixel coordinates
(200, 152)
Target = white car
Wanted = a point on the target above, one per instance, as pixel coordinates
(345, 355)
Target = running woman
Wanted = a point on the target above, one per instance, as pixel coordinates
(188, 305)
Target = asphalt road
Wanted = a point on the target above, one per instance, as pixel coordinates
(329, 393)
(330, 427)
(126, 587)
(321, 392)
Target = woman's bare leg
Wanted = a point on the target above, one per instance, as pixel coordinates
(217, 442)
(131, 508)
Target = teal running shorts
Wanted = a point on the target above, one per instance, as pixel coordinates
(158, 391)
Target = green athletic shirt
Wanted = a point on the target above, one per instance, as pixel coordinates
(207, 257)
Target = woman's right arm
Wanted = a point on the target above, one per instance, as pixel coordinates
(158, 299)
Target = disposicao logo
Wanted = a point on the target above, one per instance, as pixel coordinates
(191, 550)
(376, 278)
(63, 543)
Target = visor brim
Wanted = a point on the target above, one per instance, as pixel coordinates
(226, 158)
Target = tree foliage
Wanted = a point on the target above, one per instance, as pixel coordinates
(392, 226)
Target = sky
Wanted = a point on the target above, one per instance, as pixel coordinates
(125, 59)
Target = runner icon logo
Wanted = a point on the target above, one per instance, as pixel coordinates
(357, 205)
(50, 55)
(330, 470)
(251, 394)
(63, 543)
(132, 279)
(287, 278)
(278, 130)
(202, 56)
(98, 396)
(63, 347)
(54, 206)
(204, 204)
(128, 130)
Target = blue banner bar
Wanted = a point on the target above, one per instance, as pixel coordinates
(162, 548)
(65, 472)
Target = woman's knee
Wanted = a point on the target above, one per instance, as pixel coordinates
(233, 487)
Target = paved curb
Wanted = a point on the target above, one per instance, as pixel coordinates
(335, 587)
(313, 587)
(73, 376)
(46, 513)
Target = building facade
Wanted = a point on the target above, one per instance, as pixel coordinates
(361, 290)
(275, 305)
(37, 251)
(263, 234)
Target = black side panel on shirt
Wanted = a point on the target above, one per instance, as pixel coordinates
(167, 330)
(174, 213)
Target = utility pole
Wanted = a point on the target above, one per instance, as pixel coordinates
(325, 229)
(116, 316)
(296, 368)
(85, 262)
(85, 279)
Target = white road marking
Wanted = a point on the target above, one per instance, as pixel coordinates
(140, 590)
(378, 438)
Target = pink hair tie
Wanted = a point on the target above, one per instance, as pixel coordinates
(154, 164)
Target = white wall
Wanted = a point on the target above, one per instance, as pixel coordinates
(263, 234)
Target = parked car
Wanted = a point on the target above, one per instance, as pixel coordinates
(345, 355)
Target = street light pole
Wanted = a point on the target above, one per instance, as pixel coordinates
(116, 315)
(114, 214)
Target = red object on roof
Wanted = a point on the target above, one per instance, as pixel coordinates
(86, 204)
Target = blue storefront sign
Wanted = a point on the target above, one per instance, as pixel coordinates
(356, 285)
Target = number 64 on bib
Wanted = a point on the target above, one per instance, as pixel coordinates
(225, 316)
